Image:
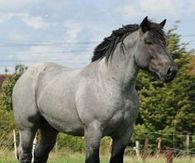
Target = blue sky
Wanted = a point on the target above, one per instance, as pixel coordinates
(67, 31)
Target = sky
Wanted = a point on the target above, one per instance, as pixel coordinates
(67, 31)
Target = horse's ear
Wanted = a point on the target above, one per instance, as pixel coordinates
(145, 25)
(162, 24)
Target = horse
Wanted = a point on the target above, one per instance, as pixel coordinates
(95, 101)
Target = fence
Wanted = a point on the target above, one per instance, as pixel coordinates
(139, 149)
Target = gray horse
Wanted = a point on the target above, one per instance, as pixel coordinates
(96, 101)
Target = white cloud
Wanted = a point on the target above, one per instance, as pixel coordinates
(157, 6)
(35, 22)
(171, 9)
(15, 3)
(191, 7)
(84, 57)
(131, 11)
(38, 53)
(73, 32)
(9, 2)
(18, 36)
(4, 17)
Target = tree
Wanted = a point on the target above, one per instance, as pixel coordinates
(8, 84)
(6, 70)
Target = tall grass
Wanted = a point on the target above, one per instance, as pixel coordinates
(70, 157)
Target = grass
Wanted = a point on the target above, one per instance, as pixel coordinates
(79, 158)
(8, 157)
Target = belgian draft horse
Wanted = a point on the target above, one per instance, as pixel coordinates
(96, 101)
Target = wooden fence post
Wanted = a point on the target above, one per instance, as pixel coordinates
(159, 140)
(145, 154)
(110, 146)
(15, 146)
(187, 144)
(137, 149)
(34, 146)
(169, 153)
(56, 147)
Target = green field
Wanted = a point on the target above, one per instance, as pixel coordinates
(8, 157)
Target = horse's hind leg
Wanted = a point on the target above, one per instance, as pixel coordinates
(47, 142)
(25, 146)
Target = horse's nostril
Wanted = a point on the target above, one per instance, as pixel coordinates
(169, 72)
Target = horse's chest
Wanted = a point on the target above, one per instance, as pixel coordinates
(125, 116)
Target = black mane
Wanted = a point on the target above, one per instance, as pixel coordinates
(108, 45)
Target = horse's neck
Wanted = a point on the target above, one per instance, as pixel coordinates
(121, 70)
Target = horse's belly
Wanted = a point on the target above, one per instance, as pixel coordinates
(68, 124)
(61, 114)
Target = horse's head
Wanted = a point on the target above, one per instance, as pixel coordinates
(151, 53)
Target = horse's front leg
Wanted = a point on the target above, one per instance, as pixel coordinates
(93, 135)
(118, 147)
